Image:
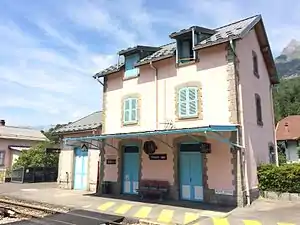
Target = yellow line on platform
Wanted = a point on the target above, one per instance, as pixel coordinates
(165, 216)
(251, 222)
(123, 209)
(190, 217)
(220, 221)
(106, 206)
(286, 224)
(143, 212)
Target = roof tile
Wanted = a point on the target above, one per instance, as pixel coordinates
(288, 128)
(233, 30)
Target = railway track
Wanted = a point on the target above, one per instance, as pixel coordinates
(27, 212)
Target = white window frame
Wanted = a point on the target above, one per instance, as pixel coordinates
(187, 102)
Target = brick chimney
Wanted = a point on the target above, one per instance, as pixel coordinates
(2, 122)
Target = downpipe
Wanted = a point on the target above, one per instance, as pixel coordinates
(156, 94)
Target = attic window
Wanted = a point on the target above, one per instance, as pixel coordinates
(185, 51)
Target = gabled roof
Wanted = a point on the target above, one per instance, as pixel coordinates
(288, 128)
(19, 133)
(89, 122)
(222, 34)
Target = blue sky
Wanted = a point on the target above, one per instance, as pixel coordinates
(50, 49)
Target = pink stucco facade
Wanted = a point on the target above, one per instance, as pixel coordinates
(222, 101)
(257, 138)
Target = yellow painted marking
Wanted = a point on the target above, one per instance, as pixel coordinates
(220, 221)
(165, 216)
(143, 212)
(123, 209)
(190, 217)
(106, 206)
(251, 222)
(286, 224)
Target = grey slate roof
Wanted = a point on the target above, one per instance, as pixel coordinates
(225, 33)
(92, 121)
(19, 133)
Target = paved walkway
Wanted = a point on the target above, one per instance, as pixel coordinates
(260, 214)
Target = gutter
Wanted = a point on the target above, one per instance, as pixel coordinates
(156, 94)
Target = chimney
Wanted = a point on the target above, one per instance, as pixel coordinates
(2, 122)
(286, 126)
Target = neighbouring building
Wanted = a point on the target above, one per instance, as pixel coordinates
(288, 135)
(204, 104)
(14, 140)
(78, 165)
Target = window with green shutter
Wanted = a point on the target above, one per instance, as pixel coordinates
(130, 110)
(188, 102)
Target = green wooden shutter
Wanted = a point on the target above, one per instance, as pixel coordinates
(133, 117)
(182, 103)
(126, 111)
(192, 101)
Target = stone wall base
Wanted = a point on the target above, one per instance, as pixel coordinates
(294, 197)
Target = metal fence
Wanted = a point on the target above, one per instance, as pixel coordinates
(34, 174)
(2, 175)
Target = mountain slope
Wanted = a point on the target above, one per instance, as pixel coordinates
(288, 63)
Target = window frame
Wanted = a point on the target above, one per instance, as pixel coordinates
(130, 71)
(187, 103)
(2, 152)
(258, 107)
(130, 109)
(255, 64)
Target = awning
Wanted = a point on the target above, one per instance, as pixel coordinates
(210, 128)
(18, 148)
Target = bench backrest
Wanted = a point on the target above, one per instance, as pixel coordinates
(154, 184)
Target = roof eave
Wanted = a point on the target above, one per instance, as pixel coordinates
(77, 131)
(154, 60)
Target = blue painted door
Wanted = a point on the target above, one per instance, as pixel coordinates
(130, 169)
(80, 171)
(190, 167)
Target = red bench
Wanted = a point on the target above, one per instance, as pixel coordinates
(153, 187)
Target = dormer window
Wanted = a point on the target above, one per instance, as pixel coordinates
(186, 40)
(130, 69)
(132, 56)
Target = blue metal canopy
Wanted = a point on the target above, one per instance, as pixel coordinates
(210, 128)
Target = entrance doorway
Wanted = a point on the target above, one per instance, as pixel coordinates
(130, 177)
(190, 172)
(81, 168)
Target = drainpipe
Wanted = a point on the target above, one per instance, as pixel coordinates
(156, 94)
(241, 134)
(273, 123)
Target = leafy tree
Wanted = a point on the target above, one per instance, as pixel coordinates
(286, 97)
(36, 156)
(51, 135)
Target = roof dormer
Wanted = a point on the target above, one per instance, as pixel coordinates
(132, 56)
(186, 40)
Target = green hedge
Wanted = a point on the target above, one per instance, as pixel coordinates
(284, 178)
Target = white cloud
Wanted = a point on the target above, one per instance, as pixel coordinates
(47, 59)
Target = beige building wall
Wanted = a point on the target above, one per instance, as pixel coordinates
(67, 163)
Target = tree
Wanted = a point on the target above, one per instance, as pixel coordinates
(53, 137)
(36, 156)
(286, 97)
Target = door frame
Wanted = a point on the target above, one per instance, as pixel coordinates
(87, 169)
(122, 165)
(202, 155)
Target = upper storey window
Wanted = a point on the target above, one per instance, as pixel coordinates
(188, 102)
(186, 40)
(130, 111)
(130, 69)
(132, 57)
